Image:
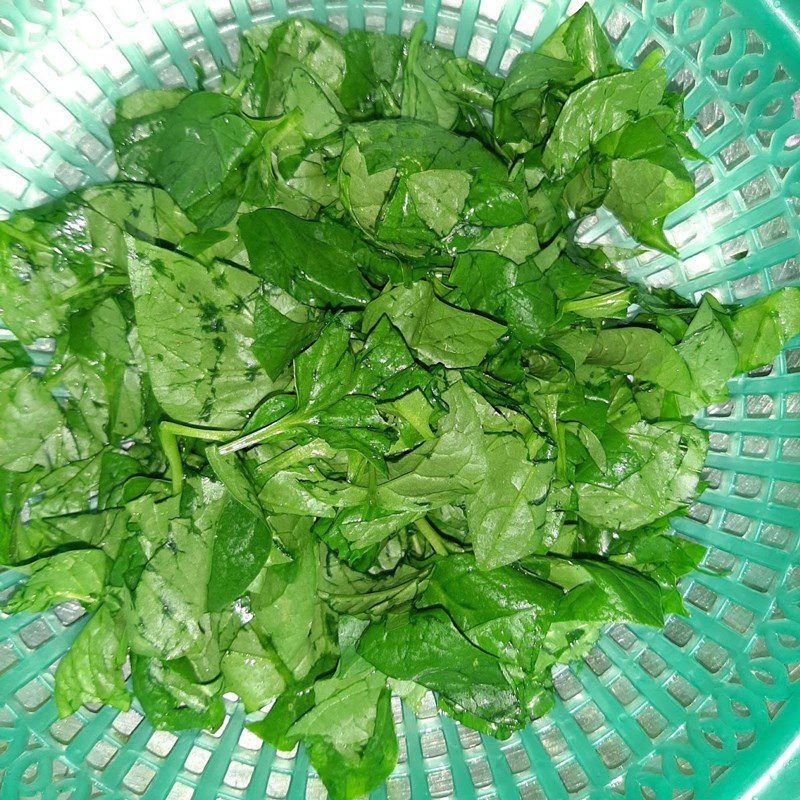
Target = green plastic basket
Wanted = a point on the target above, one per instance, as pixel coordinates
(708, 708)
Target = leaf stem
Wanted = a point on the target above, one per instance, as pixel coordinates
(78, 289)
(291, 456)
(261, 435)
(169, 444)
(20, 237)
(168, 433)
(432, 535)
(205, 434)
(561, 452)
(276, 660)
(597, 301)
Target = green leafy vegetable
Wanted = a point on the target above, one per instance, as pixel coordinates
(322, 399)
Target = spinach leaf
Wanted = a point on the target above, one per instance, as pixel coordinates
(78, 575)
(242, 542)
(532, 96)
(170, 597)
(357, 533)
(416, 203)
(202, 368)
(762, 328)
(599, 108)
(91, 670)
(597, 592)
(172, 698)
(441, 470)
(434, 330)
(710, 353)
(195, 150)
(289, 618)
(349, 731)
(427, 648)
(507, 512)
(252, 669)
(280, 334)
(325, 403)
(451, 92)
(652, 470)
(504, 612)
(365, 596)
(279, 245)
(54, 260)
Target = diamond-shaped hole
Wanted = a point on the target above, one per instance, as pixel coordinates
(238, 775)
(617, 25)
(748, 485)
(773, 231)
(736, 524)
(613, 752)
(573, 777)
(651, 722)
(624, 690)
(785, 273)
(652, 663)
(432, 743)
(719, 442)
(552, 741)
(682, 690)
(711, 656)
(756, 191)
(790, 449)
(760, 406)
(776, 536)
(756, 446)
(517, 759)
(735, 249)
(679, 633)
(747, 286)
(589, 718)
(701, 597)
(737, 152)
(440, 783)
(721, 409)
(787, 493)
(737, 618)
(759, 577)
(480, 773)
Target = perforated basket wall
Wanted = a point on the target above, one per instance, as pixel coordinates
(708, 708)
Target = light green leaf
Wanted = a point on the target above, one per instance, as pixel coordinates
(507, 513)
(437, 332)
(201, 365)
(78, 575)
(91, 671)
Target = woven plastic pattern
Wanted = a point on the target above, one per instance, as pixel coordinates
(707, 708)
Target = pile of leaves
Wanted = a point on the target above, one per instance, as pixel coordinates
(335, 405)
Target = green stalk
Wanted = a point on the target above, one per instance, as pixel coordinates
(261, 435)
(169, 445)
(20, 237)
(77, 290)
(204, 434)
(168, 433)
(597, 302)
(288, 457)
(432, 535)
(561, 452)
(276, 661)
